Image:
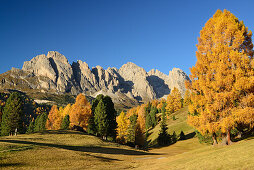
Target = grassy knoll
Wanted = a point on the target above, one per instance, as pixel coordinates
(177, 125)
(65, 150)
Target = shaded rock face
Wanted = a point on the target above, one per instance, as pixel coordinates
(53, 72)
(163, 83)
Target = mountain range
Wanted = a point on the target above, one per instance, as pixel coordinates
(52, 73)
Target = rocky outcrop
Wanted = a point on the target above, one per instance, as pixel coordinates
(136, 77)
(56, 67)
(163, 83)
(52, 72)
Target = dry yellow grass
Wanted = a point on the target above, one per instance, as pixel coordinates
(74, 150)
(65, 150)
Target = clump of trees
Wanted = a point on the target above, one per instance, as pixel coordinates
(77, 115)
(222, 81)
(103, 118)
(133, 126)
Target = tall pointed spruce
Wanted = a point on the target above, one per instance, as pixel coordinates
(12, 114)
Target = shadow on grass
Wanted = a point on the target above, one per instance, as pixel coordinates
(190, 135)
(102, 150)
(62, 132)
(5, 165)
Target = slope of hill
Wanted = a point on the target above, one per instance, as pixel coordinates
(177, 126)
(74, 150)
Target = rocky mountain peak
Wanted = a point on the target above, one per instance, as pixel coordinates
(130, 82)
(57, 56)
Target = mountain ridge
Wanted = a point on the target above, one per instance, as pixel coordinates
(53, 73)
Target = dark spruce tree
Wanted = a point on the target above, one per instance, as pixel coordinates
(40, 122)
(131, 137)
(164, 138)
(148, 121)
(65, 123)
(174, 137)
(105, 118)
(12, 115)
(153, 113)
(151, 120)
(30, 128)
(111, 116)
(100, 119)
(91, 128)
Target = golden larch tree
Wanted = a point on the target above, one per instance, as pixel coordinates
(66, 110)
(54, 119)
(223, 77)
(174, 102)
(80, 112)
(122, 127)
(187, 98)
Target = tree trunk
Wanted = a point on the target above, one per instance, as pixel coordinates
(224, 139)
(214, 139)
(228, 138)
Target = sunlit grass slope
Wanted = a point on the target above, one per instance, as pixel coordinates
(239, 155)
(65, 150)
(177, 125)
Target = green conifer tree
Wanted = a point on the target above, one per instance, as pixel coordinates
(131, 137)
(174, 137)
(164, 138)
(65, 123)
(12, 115)
(30, 127)
(100, 118)
(40, 122)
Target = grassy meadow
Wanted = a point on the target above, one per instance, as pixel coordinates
(76, 150)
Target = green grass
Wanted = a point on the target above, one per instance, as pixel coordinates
(177, 125)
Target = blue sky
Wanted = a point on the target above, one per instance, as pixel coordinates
(159, 34)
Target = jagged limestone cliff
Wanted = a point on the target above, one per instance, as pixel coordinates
(131, 83)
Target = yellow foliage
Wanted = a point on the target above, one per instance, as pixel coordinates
(80, 112)
(187, 98)
(54, 119)
(122, 127)
(66, 110)
(174, 101)
(223, 78)
(161, 103)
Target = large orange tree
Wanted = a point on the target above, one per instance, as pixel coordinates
(223, 77)
(80, 112)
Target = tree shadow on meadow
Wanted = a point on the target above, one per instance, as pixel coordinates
(102, 150)
(5, 165)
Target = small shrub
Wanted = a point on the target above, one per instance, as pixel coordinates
(174, 118)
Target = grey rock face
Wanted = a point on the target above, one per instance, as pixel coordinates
(163, 83)
(136, 77)
(56, 67)
(130, 81)
(40, 65)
